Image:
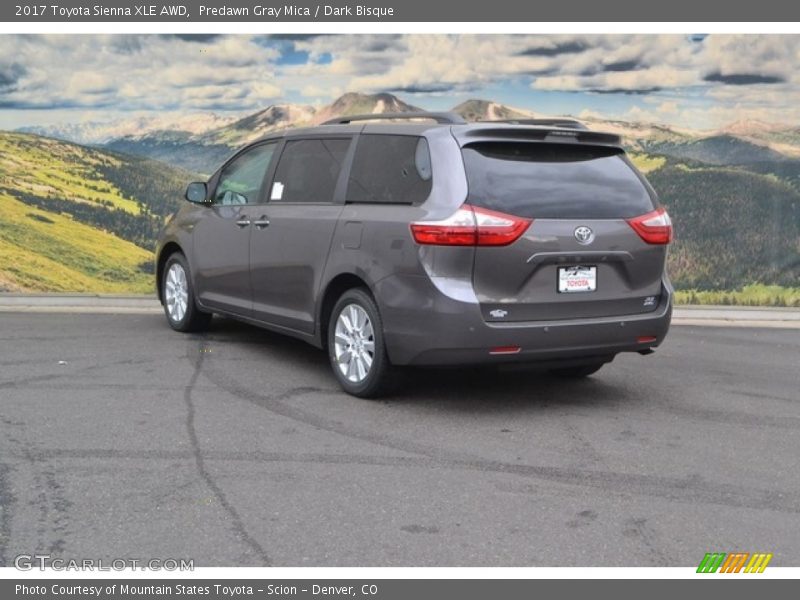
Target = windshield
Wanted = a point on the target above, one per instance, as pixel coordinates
(554, 181)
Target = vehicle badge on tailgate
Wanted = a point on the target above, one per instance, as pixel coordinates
(498, 313)
(584, 235)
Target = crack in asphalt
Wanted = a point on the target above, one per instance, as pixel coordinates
(639, 529)
(49, 501)
(12, 383)
(611, 481)
(583, 448)
(205, 474)
(690, 489)
(7, 501)
(299, 404)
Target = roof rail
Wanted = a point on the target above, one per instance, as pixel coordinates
(565, 123)
(440, 117)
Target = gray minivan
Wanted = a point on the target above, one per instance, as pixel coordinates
(420, 239)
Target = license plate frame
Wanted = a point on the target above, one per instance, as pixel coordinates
(577, 279)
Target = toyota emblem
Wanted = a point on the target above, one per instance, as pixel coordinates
(584, 235)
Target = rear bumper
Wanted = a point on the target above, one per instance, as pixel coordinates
(424, 326)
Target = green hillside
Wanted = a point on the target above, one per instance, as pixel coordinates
(78, 219)
(733, 227)
(715, 150)
(43, 251)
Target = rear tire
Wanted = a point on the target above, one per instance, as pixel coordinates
(178, 297)
(356, 346)
(577, 372)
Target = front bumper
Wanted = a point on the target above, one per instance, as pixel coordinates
(424, 326)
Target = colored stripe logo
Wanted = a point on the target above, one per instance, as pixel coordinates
(735, 562)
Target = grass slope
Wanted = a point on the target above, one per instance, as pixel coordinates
(46, 167)
(750, 295)
(74, 218)
(42, 251)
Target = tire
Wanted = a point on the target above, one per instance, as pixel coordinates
(178, 297)
(577, 372)
(358, 353)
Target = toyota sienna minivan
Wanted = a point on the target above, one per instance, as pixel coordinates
(420, 239)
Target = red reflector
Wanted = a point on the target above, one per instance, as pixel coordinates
(645, 339)
(654, 227)
(505, 350)
(471, 226)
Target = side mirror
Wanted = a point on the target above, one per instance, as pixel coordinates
(196, 192)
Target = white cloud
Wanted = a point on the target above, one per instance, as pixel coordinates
(667, 108)
(241, 72)
(137, 72)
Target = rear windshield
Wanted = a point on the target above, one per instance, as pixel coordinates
(554, 181)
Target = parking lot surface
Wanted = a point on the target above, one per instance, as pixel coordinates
(123, 439)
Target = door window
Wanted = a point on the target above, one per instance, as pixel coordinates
(241, 180)
(390, 169)
(309, 170)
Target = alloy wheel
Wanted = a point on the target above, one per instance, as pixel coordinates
(354, 343)
(176, 292)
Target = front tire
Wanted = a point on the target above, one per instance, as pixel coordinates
(178, 296)
(356, 345)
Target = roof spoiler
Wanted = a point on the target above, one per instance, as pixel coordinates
(446, 118)
(540, 134)
(561, 123)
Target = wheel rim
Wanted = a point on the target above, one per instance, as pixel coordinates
(176, 292)
(354, 343)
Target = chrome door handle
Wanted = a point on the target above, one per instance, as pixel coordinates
(243, 222)
(262, 222)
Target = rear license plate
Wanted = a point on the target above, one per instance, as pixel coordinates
(577, 279)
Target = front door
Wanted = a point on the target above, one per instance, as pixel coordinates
(221, 237)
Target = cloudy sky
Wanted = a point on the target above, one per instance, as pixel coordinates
(700, 82)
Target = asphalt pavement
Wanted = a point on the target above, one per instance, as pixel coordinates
(123, 439)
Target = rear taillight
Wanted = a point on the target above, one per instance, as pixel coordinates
(654, 227)
(471, 226)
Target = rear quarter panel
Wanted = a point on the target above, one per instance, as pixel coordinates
(373, 241)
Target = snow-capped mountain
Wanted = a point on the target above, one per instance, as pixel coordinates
(486, 110)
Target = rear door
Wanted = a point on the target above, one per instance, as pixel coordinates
(579, 257)
(292, 230)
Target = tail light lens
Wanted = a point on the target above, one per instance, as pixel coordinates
(471, 226)
(654, 227)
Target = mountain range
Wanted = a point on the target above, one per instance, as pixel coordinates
(200, 141)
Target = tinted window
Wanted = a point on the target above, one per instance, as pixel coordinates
(240, 181)
(554, 181)
(390, 169)
(308, 170)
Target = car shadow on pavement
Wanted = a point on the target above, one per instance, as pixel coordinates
(466, 389)
(506, 388)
